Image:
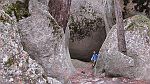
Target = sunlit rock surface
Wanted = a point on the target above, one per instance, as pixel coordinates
(137, 37)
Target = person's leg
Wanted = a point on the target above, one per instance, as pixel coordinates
(94, 64)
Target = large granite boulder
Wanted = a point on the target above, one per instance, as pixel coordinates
(15, 64)
(115, 64)
(86, 28)
(136, 64)
(10, 50)
(44, 40)
(88, 32)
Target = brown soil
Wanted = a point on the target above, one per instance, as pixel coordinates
(85, 75)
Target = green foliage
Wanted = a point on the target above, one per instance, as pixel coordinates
(19, 9)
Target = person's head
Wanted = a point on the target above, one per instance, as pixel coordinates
(94, 52)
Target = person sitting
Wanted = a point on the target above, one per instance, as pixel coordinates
(94, 58)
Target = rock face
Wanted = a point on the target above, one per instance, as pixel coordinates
(86, 28)
(136, 63)
(15, 64)
(88, 32)
(108, 14)
(116, 64)
(44, 40)
(11, 52)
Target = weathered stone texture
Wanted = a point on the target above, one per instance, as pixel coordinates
(138, 49)
(15, 64)
(44, 40)
(86, 28)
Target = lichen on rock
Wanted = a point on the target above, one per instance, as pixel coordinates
(15, 64)
(87, 28)
(20, 9)
(140, 22)
(138, 47)
(44, 40)
(81, 29)
(5, 18)
(84, 21)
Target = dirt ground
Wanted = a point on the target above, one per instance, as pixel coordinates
(85, 75)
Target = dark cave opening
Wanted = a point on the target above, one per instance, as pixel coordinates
(83, 49)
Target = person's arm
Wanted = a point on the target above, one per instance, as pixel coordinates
(98, 56)
(92, 57)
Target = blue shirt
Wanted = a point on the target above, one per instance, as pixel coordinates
(94, 57)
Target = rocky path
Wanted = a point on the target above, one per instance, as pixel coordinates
(85, 76)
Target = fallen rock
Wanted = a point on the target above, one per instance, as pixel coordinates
(80, 64)
(117, 64)
(137, 37)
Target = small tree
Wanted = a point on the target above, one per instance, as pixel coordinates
(120, 28)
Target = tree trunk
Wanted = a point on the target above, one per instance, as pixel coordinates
(120, 28)
(59, 9)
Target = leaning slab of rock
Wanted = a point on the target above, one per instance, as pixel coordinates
(44, 40)
(137, 35)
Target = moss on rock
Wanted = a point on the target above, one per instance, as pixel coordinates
(83, 28)
(84, 21)
(2, 19)
(5, 18)
(19, 9)
(140, 22)
(56, 27)
(9, 62)
(131, 26)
